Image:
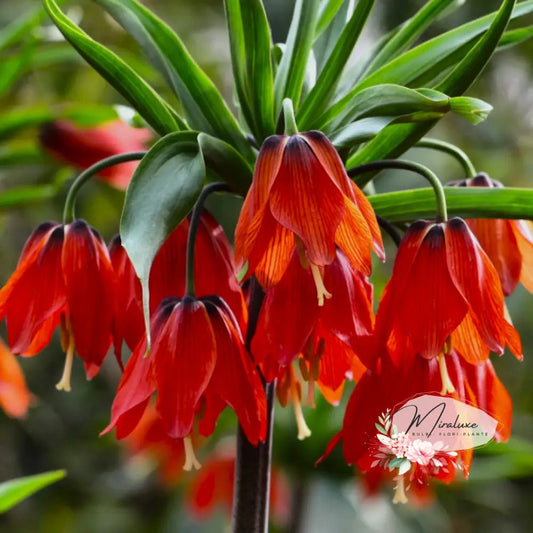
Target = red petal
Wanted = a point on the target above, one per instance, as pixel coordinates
(184, 359)
(498, 240)
(468, 343)
(90, 287)
(284, 325)
(33, 308)
(354, 238)
(249, 223)
(134, 391)
(524, 237)
(478, 281)
(431, 307)
(304, 200)
(368, 213)
(235, 379)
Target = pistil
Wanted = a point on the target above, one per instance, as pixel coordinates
(399, 490)
(321, 291)
(64, 382)
(190, 457)
(447, 385)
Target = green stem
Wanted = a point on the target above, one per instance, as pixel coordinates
(193, 230)
(451, 149)
(86, 175)
(403, 164)
(289, 121)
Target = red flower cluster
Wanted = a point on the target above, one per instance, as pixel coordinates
(78, 294)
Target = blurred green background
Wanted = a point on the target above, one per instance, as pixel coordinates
(105, 491)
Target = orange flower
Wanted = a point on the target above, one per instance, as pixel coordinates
(444, 293)
(214, 273)
(83, 147)
(508, 243)
(198, 364)
(301, 198)
(15, 397)
(64, 276)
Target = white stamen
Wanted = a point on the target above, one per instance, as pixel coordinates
(321, 291)
(399, 491)
(64, 382)
(303, 429)
(447, 385)
(190, 458)
(310, 400)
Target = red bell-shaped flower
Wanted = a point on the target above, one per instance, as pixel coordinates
(444, 293)
(64, 276)
(83, 147)
(214, 273)
(301, 198)
(508, 243)
(198, 365)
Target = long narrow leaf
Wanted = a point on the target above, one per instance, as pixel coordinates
(141, 96)
(413, 63)
(410, 31)
(395, 140)
(328, 11)
(473, 202)
(204, 106)
(291, 71)
(16, 490)
(326, 83)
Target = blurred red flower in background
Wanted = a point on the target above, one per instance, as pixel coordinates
(15, 398)
(83, 147)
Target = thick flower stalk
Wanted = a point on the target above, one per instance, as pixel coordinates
(508, 243)
(301, 199)
(197, 365)
(64, 277)
(444, 295)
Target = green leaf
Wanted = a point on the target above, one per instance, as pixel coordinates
(410, 65)
(226, 163)
(19, 119)
(328, 11)
(513, 37)
(20, 196)
(204, 106)
(291, 71)
(252, 63)
(326, 83)
(19, 29)
(132, 87)
(396, 100)
(21, 154)
(325, 40)
(409, 32)
(16, 490)
(393, 141)
(162, 191)
(405, 206)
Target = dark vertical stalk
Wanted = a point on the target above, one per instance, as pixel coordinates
(251, 492)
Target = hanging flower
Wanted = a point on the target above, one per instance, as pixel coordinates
(214, 273)
(83, 147)
(15, 398)
(64, 277)
(444, 293)
(388, 455)
(508, 243)
(302, 199)
(198, 365)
